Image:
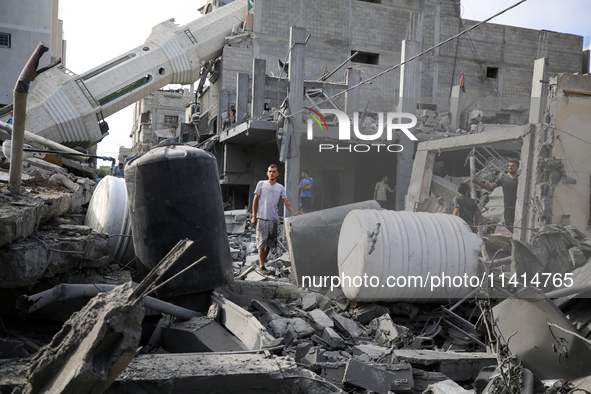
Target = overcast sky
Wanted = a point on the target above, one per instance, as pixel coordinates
(98, 32)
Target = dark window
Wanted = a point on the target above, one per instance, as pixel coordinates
(5, 40)
(169, 119)
(492, 72)
(366, 57)
(372, 1)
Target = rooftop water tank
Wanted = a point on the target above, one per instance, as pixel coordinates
(108, 213)
(174, 193)
(406, 256)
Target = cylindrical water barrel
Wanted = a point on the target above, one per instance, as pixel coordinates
(415, 256)
(108, 213)
(313, 241)
(174, 193)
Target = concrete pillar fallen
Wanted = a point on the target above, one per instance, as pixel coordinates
(91, 349)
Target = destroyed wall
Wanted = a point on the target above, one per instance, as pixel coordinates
(498, 71)
(559, 171)
(161, 110)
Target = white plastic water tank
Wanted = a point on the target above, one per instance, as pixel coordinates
(414, 253)
(108, 213)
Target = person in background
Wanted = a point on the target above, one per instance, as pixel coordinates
(233, 113)
(465, 207)
(306, 192)
(509, 184)
(379, 192)
(119, 173)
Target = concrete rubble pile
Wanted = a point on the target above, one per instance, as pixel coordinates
(264, 332)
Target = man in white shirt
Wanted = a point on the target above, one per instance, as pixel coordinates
(264, 213)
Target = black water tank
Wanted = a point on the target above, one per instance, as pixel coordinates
(174, 193)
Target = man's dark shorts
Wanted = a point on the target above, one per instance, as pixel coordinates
(306, 203)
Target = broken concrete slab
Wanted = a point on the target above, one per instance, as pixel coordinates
(200, 334)
(320, 320)
(365, 313)
(446, 387)
(49, 254)
(201, 372)
(92, 348)
(423, 379)
(334, 340)
(370, 352)
(333, 372)
(243, 292)
(386, 333)
(309, 301)
(267, 307)
(456, 366)
(381, 378)
(21, 215)
(284, 326)
(348, 327)
(540, 336)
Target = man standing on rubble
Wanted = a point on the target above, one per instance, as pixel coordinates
(264, 213)
(509, 184)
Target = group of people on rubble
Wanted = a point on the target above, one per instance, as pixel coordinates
(269, 192)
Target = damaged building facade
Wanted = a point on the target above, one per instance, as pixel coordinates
(496, 62)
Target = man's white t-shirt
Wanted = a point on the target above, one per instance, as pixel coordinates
(269, 196)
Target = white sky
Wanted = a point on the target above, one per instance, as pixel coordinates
(97, 32)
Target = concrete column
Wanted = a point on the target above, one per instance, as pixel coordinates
(297, 43)
(410, 93)
(259, 69)
(539, 91)
(223, 104)
(241, 96)
(352, 97)
(455, 107)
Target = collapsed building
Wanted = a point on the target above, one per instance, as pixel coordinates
(252, 333)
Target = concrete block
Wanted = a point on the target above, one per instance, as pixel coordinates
(320, 320)
(456, 366)
(446, 387)
(369, 351)
(347, 327)
(323, 301)
(365, 313)
(386, 333)
(333, 372)
(335, 340)
(336, 356)
(200, 334)
(281, 327)
(375, 377)
(577, 257)
(423, 379)
(309, 301)
(252, 260)
(313, 356)
(302, 349)
(267, 307)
